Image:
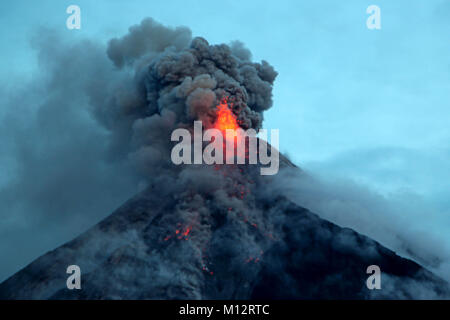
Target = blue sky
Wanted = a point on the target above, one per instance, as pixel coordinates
(342, 85)
(370, 106)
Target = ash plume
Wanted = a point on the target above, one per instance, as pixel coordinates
(178, 79)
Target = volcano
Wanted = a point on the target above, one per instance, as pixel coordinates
(197, 230)
(201, 243)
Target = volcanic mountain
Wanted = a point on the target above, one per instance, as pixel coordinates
(204, 242)
(198, 231)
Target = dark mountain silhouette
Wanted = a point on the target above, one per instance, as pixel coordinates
(205, 243)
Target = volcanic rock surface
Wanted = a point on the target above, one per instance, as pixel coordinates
(220, 233)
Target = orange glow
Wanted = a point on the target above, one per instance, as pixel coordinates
(188, 229)
(226, 120)
(225, 117)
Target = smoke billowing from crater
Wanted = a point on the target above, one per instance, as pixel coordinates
(177, 80)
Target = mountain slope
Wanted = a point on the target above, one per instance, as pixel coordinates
(205, 243)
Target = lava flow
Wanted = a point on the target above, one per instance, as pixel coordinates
(226, 121)
(225, 117)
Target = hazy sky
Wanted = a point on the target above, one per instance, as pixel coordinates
(370, 106)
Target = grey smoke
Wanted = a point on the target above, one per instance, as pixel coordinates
(147, 39)
(177, 80)
(353, 205)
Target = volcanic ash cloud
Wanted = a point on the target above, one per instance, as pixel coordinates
(176, 80)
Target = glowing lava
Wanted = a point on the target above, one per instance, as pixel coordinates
(226, 121)
(188, 229)
(225, 117)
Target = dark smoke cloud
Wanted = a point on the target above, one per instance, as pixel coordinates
(180, 80)
(145, 40)
(170, 81)
(59, 176)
